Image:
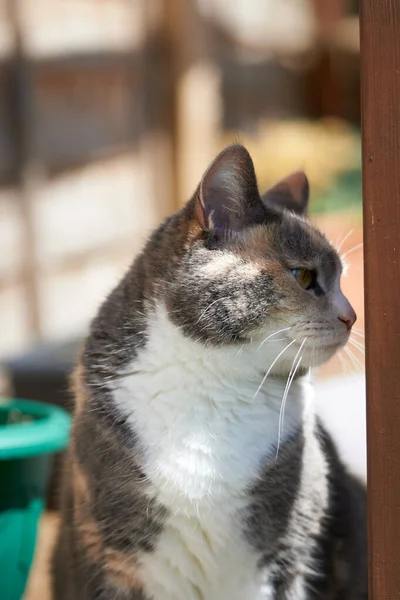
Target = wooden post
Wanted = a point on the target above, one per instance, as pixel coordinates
(380, 65)
(22, 128)
(329, 97)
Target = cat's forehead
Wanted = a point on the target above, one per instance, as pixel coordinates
(295, 242)
(299, 235)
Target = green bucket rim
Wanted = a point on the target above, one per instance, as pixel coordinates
(49, 433)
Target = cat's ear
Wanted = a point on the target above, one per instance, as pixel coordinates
(292, 193)
(228, 197)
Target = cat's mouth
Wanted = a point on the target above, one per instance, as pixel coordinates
(317, 351)
(331, 345)
(320, 344)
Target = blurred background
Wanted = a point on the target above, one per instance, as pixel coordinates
(110, 110)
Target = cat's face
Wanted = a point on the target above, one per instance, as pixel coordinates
(255, 273)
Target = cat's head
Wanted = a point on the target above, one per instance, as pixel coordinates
(252, 270)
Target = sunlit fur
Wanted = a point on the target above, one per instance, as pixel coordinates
(245, 291)
(205, 436)
(204, 473)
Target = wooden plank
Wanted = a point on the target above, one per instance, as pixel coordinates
(380, 59)
(22, 125)
(7, 136)
(79, 109)
(328, 93)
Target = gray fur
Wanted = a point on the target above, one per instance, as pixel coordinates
(111, 514)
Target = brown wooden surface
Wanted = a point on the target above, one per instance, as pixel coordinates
(380, 58)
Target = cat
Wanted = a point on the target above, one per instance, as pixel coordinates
(197, 467)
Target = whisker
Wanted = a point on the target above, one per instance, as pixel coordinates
(357, 331)
(336, 242)
(357, 344)
(270, 368)
(272, 334)
(312, 359)
(314, 355)
(351, 366)
(348, 234)
(286, 390)
(353, 268)
(360, 362)
(342, 361)
(282, 411)
(353, 249)
(209, 306)
(354, 359)
(240, 350)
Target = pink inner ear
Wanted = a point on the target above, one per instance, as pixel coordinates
(228, 197)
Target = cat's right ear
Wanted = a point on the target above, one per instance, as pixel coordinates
(228, 197)
(291, 193)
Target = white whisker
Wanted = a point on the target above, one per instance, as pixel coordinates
(348, 234)
(313, 357)
(240, 349)
(358, 332)
(353, 268)
(354, 359)
(357, 344)
(209, 306)
(270, 368)
(358, 360)
(282, 411)
(342, 361)
(291, 375)
(272, 334)
(353, 249)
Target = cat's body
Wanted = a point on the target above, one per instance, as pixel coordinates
(185, 481)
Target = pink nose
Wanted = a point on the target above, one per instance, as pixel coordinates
(343, 308)
(349, 318)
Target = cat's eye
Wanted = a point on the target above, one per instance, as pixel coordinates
(306, 278)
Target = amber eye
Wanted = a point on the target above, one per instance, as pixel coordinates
(306, 278)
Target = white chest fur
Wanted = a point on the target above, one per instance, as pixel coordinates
(204, 438)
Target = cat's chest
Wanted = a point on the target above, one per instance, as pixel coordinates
(203, 557)
(205, 438)
(202, 476)
(204, 446)
(208, 457)
(204, 427)
(200, 464)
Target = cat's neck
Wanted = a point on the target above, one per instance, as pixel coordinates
(227, 376)
(167, 347)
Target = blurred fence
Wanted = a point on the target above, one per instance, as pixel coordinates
(110, 110)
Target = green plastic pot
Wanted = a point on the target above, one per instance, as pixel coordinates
(30, 432)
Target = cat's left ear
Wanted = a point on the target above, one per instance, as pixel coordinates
(291, 193)
(228, 197)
